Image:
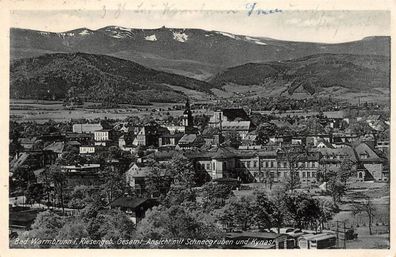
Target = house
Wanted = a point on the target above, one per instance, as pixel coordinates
(342, 138)
(232, 120)
(250, 139)
(332, 158)
(125, 142)
(86, 128)
(52, 137)
(122, 127)
(73, 143)
(212, 137)
(21, 218)
(56, 147)
(38, 174)
(87, 174)
(175, 129)
(336, 118)
(148, 135)
(135, 208)
(27, 143)
(324, 144)
(80, 168)
(135, 177)
(160, 156)
(87, 149)
(82, 138)
(190, 141)
(281, 123)
(314, 139)
(378, 125)
(35, 159)
(306, 165)
(103, 137)
(372, 162)
(169, 139)
(383, 146)
(242, 127)
(217, 163)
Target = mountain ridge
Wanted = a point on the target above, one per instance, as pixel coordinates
(194, 53)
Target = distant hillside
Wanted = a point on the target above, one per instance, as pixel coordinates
(190, 52)
(332, 73)
(96, 78)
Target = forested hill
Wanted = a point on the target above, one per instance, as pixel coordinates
(97, 78)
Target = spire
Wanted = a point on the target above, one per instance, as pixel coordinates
(187, 119)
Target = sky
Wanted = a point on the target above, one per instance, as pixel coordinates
(309, 25)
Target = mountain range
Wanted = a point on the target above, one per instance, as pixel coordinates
(205, 63)
(190, 52)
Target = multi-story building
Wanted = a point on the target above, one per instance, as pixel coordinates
(258, 165)
(232, 120)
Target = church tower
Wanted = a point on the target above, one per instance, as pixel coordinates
(187, 116)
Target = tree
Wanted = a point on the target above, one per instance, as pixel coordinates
(238, 212)
(278, 196)
(264, 131)
(361, 128)
(114, 183)
(294, 157)
(59, 179)
(214, 196)
(15, 147)
(71, 157)
(337, 188)
(346, 170)
(22, 177)
(265, 211)
(178, 195)
(182, 171)
(81, 196)
(34, 193)
(201, 121)
(327, 210)
(157, 181)
(46, 227)
(177, 222)
(302, 209)
(111, 224)
(366, 206)
(76, 230)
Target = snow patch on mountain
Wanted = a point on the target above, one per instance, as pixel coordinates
(124, 29)
(44, 33)
(63, 34)
(255, 40)
(260, 43)
(151, 38)
(227, 35)
(180, 36)
(85, 32)
(117, 35)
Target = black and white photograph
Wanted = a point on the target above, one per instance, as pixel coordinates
(153, 127)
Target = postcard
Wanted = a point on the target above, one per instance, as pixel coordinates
(259, 126)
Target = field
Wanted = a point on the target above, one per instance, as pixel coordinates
(41, 111)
